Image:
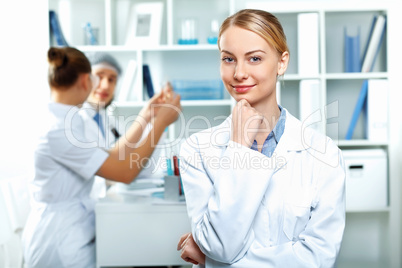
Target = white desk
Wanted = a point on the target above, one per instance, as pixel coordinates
(133, 231)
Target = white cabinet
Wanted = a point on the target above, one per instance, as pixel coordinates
(366, 179)
(337, 94)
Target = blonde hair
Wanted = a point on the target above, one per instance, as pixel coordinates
(260, 22)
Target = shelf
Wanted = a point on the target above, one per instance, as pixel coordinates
(314, 6)
(335, 76)
(184, 103)
(361, 264)
(127, 104)
(360, 143)
(201, 47)
(296, 77)
(107, 48)
(154, 48)
(374, 210)
(189, 103)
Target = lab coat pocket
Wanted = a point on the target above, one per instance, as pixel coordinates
(295, 220)
(297, 209)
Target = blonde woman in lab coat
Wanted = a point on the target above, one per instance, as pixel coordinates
(261, 189)
(60, 231)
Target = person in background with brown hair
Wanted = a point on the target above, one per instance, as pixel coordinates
(261, 189)
(60, 231)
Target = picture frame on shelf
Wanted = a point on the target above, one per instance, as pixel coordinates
(144, 24)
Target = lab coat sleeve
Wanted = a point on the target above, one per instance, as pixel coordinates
(319, 243)
(83, 160)
(223, 194)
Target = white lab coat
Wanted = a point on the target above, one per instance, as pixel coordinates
(60, 229)
(248, 210)
(152, 168)
(94, 134)
(92, 131)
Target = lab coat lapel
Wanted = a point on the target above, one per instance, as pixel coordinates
(221, 134)
(290, 142)
(92, 131)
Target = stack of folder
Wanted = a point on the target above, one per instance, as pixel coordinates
(373, 46)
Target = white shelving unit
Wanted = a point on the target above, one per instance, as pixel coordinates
(167, 61)
(375, 244)
(370, 234)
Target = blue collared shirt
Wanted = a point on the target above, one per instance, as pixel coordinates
(273, 138)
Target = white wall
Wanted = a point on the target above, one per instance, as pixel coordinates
(23, 84)
(23, 90)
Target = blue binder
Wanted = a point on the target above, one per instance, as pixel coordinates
(55, 29)
(362, 99)
(352, 52)
(148, 80)
(358, 108)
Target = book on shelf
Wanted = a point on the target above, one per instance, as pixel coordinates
(373, 45)
(309, 103)
(148, 80)
(128, 81)
(307, 44)
(361, 100)
(56, 34)
(352, 51)
(372, 48)
(377, 110)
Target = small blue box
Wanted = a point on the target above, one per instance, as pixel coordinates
(199, 89)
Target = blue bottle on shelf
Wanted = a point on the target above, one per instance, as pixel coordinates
(213, 36)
